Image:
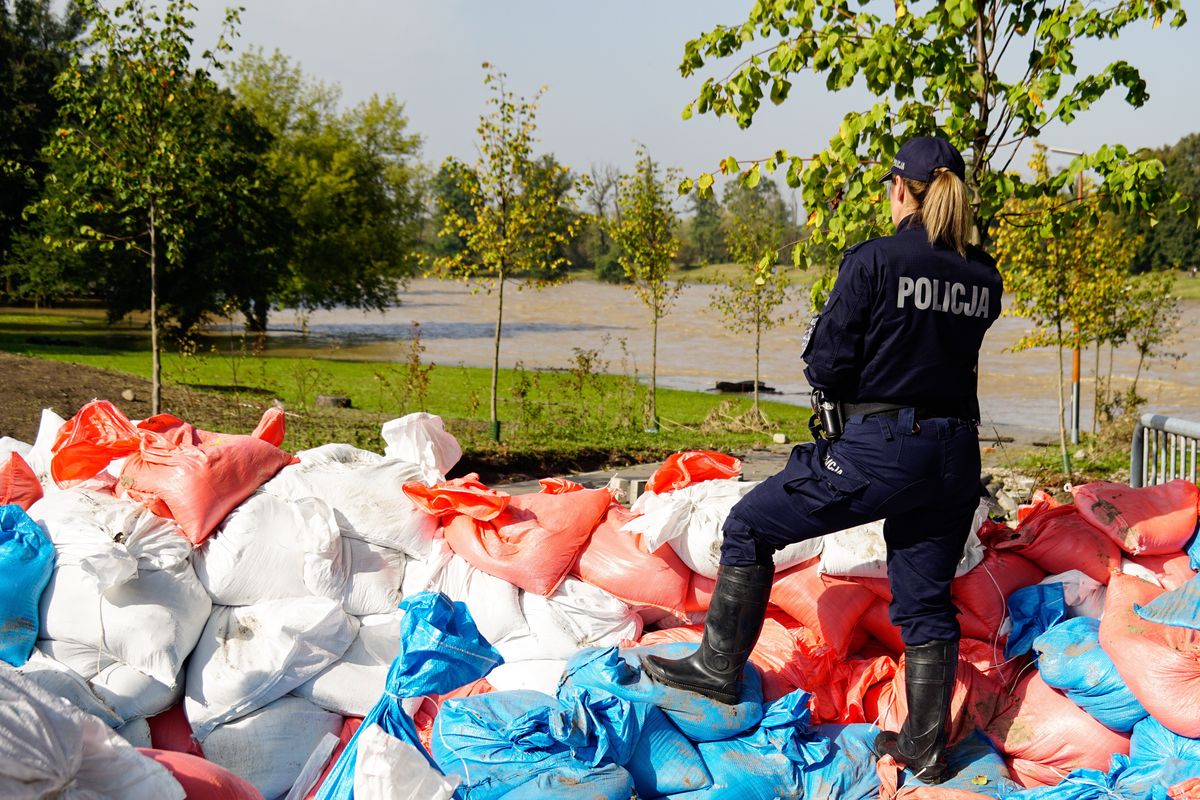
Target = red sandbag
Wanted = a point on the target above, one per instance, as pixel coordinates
(350, 726)
(535, 541)
(878, 623)
(1187, 790)
(1160, 663)
(982, 594)
(203, 780)
(272, 427)
(692, 466)
(1047, 735)
(465, 495)
(88, 441)
(559, 485)
(1041, 500)
(972, 705)
(196, 477)
(18, 483)
(172, 731)
(618, 562)
(1171, 569)
(1150, 521)
(830, 607)
(988, 658)
(1057, 539)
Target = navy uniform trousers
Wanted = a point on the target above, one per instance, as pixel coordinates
(922, 475)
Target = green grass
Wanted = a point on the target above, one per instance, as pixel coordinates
(555, 416)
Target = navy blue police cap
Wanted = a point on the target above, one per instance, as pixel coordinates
(920, 156)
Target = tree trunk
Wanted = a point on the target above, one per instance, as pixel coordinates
(1062, 422)
(155, 358)
(495, 432)
(655, 314)
(757, 345)
(1096, 393)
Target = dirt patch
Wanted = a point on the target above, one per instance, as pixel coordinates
(32, 384)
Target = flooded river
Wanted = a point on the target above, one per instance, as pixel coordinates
(695, 351)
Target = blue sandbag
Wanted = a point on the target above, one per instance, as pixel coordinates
(975, 766)
(501, 740)
(1179, 607)
(1193, 549)
(440, 651)
(848, 771)
(665, 761)
(1033, 609)
(607, 782)
(619, 672)
(1158, 755)
(26, 563)
(1070, 659)
(765, 763)
(1121, 782)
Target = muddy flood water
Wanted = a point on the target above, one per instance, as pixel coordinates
(695, 351)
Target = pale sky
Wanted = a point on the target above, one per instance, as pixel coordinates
(612, 72)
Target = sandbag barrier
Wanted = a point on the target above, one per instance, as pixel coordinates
(238, 612)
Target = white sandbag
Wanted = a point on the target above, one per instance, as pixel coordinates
(1083, 594)
(268, 747)
(354, 683)
(861, 551)
(388, 768)
(1138, 571)
(270, 548)
(39, 454)
(365, 490)
(10, 445)
(577, 615)
(539, 675)
(150, 623)
(136, 732)
(248, 656)
(494, 603)
(690, 520)
(129, 693)
(61, 681)
(421, 439)
(49, 748)
(375, 584)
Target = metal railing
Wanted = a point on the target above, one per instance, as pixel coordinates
(1163, 448)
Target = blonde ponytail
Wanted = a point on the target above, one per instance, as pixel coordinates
(943, 209)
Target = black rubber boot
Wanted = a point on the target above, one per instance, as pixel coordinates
(928, 685)
(735, 618)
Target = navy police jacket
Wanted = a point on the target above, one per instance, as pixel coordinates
(904, 324)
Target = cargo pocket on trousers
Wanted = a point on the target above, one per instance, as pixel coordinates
(821, 479)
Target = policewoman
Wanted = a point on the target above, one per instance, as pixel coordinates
(892, 361)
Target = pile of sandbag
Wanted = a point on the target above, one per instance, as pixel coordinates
(215, 595)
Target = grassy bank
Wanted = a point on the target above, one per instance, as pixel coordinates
(569, 419)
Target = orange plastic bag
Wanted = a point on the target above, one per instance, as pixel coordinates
(1057, 539)
(88, 441)
(830, 607)
(1046, 735)
(350, 726)
(1160, 663)
(427, 711)
(203, 780)
(18, 484)
(172, 731)
(692, 466)
(196, 477)
(878, 623)
(982, 594)
(972, 704)
(465, 495)
(559, 485)
(1147, 521)
(1172, 569)
(1188, 790)
(272, 427)
(534, 542)
(618, 562)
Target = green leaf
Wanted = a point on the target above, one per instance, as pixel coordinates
(705, 181)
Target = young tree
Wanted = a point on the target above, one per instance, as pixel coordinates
(350, 179)
(988, 75)
(645, 231)
(755, 224)
(519, 218)
(131, 121)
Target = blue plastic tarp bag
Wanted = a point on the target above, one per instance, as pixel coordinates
(1160, 756)
(26, 563)
(975, 765)
(1179, 607)
(619, 672)
(1123, 781)
(1193, 549)
(848, 771)
(665, 761)
(1071, 660)
(1033, 610)
(533, 744)
(440, 651)
(767, 762)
